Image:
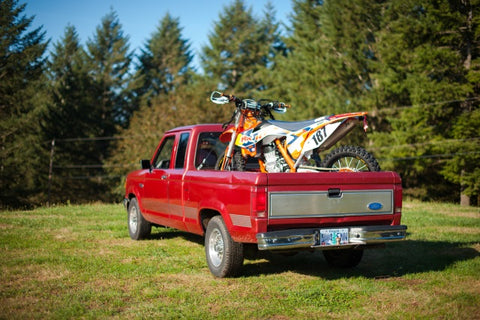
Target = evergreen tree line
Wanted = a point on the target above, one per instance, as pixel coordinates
(76, 119)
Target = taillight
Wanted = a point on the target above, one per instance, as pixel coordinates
(258, 202)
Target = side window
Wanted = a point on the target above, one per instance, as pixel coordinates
(182, 150)
(164, 154)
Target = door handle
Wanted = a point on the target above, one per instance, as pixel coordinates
(164, 177)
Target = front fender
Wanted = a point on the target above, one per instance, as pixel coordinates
(226, 135)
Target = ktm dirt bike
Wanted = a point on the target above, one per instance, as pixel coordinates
(284, 146)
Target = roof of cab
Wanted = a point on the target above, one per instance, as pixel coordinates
(199, 127)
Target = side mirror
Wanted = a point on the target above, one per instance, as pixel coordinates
(146, 164)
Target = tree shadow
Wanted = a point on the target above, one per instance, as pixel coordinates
(396, 259)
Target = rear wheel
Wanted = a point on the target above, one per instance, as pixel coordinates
(345, 258)
(350, 159)
(224, 256)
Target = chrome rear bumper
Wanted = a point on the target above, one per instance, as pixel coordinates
(310, 238)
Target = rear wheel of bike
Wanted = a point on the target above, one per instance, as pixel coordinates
(238, 163)
(350, 159)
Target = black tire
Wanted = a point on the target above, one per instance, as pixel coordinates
(350, 159)
(238, 162)
(224, 256)
(138, 227)
(345, 258)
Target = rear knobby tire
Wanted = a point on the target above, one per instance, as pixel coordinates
(350, 159)
(138, 227)
(224, 256)
(345, 258)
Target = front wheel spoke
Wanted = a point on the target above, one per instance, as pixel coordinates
(361, 166)
(349, 162)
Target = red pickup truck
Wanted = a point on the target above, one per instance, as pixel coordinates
(340, 213)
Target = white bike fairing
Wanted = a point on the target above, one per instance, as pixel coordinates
(305, 135)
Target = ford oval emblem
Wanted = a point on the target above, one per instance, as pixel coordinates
(375, 206)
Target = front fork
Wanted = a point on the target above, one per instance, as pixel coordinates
(227, 158)
(228, 154)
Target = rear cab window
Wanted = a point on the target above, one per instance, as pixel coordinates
(209, 150)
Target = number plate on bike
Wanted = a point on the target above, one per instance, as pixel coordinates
(333, 237)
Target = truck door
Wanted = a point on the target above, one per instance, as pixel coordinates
(176, 184)
(155, 201)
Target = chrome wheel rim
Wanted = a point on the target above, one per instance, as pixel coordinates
(216, 247)
(133, 219)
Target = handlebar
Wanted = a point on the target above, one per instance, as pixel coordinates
(221, 98)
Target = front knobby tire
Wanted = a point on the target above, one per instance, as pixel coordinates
(224, 256)
(350, 159)
(238, 163)
(138, 227)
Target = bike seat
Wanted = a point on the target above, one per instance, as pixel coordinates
(291, 125)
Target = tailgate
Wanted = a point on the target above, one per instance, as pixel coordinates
(318, 195)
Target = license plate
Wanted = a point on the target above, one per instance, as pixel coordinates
(333, 237)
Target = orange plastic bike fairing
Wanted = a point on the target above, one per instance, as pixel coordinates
(285, 155)
(246, 152)
(226, 135)
(250, 120)
(251, 153)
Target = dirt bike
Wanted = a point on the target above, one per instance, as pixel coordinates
(284, 146)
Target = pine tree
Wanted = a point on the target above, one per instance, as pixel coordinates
(422, 52)
(68, 121)
(296, 74)
(23, 166)
(164, 62)
(463, 168)
(239, 47)
(330, 56)
(109, 61)
(170, 95)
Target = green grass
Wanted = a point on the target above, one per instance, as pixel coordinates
(79, 262)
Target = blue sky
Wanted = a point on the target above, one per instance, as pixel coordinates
(140, 18)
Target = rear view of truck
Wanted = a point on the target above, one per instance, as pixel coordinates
(339, 213)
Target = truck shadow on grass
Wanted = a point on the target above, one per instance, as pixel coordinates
(396, 259)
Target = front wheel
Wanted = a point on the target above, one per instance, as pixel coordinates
(237, 162)
(350, 159)
(224, 256)
(138, 227)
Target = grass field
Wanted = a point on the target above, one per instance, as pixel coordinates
(79, 262)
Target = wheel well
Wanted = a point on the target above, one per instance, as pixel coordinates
(130, 197)
(206, 215)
